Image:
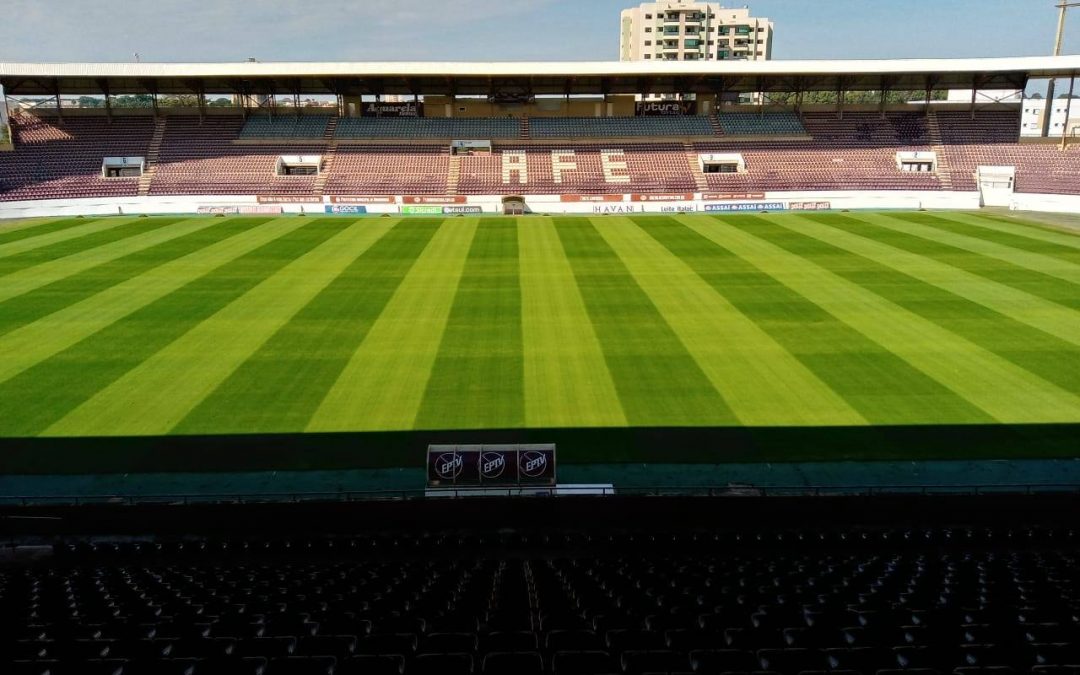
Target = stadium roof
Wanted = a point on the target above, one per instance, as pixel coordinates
(546, 78)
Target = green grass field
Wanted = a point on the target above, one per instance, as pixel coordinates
(814, 325)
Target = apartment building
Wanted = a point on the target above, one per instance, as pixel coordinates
(678, 30)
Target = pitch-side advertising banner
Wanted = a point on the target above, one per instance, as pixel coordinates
(751, 206)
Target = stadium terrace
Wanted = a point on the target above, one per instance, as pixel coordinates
(454, 138)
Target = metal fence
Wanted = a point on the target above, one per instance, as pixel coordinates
(592, 491)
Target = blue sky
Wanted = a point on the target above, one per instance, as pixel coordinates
(334, 30)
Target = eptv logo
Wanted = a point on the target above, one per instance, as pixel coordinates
(533, 464)
(449, 465)
(492, 465)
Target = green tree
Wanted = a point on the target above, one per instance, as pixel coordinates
(181, 101)
(136, 101)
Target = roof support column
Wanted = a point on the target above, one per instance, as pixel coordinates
(59, 107)
(103, 84)
(841, 94)
(975, 82)
(7, 107)
(930, 82)
(886, 89)
(1068, 112)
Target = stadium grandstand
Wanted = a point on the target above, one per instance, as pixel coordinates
(538, 369)
(550, 133)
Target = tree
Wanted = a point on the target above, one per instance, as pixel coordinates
(137, 101)
(181, 101)
(91, 102)
(221, 102)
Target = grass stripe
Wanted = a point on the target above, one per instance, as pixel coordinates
(940, 266)
(990, 250)
(8, 225)
(761, 381)
(383, 384)
(1036, 283)
(72, 233)
(1018, 233)
(1054, 359)
(881, 386)
(70, 247)
(147, 327)
(279, 388)
(35, 305)
(1007, 392)
(567, 382)
(50, 271)
(659, 382)
(37, 341)
(38, 228)
(477, 379)
(151, 398)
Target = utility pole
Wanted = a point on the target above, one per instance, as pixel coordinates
(1058, 42)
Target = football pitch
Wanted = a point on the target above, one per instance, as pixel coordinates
(169, 342)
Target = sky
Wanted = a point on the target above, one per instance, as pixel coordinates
(498, 30)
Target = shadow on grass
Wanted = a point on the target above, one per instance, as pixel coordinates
(711, 445)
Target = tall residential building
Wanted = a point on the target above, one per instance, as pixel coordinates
(680, 30)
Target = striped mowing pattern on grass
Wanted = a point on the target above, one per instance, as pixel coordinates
(69, 264)
(280, 386)
(121, 326)
(47, 234)
(566, 376)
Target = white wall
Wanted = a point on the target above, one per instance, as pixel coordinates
(1047, 203)
(550, 203)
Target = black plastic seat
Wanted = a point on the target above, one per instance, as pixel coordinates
(816, 637)
(791, 660)
(638, 662)
(509, 641)
(290, 627)
(301, 665)
(449, 643)
(384, 643)
(343, 623)
(573, 640)
(231, 666)
(265, 647)
(161, 667)
(861, 659)
(441, 664)
(583, 663)
(620, 640)
(202, 648)
(1055, 655)
(338, 646)
(686, 640)
(384, 664)
(723, 661)
(513, 663)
